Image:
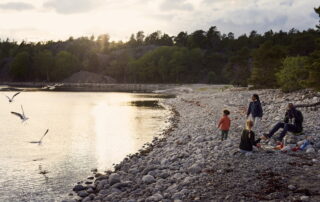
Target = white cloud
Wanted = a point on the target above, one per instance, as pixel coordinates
(59, 19)
(72, 6)
(18, 6)
(182, 5)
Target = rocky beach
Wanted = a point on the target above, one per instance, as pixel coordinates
(190, 163)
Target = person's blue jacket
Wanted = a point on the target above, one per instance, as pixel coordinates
(255, 109)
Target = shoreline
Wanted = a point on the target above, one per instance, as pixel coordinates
(190, 163)
(86, 87)
(99, 87)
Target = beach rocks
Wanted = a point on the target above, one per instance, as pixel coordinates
(114, 178)
(148, 179)
(310, 150)
(83, 193)
(194, 169)
(155, 197)
(192, 164)
(78, 187)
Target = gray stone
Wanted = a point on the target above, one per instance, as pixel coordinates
(78, 187)
(114, 178)
(102, 184)
(83, 193)
(291, 187)
(194, 169)
(177, 196)
(311, 150)
(90, 190)
(148, 179)
(304, 198)
(155, 197)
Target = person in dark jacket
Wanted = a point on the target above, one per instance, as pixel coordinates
(248, 139)
(255, 112)
(292, 123)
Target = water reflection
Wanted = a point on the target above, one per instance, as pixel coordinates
(87, 130)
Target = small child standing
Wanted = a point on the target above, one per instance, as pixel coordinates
(248, 139)
(224, 124)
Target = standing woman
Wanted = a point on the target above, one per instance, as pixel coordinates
(255, 112)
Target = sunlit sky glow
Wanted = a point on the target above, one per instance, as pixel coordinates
(41, 20)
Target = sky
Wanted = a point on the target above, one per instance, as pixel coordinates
(42, 20)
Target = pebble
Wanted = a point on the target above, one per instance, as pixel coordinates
(304, 198)
(148, 179)
(114, 178)
(78, 187)
(83, 193)
(291, 187)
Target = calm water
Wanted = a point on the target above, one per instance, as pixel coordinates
(86, 130)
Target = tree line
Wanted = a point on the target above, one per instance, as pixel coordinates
(289, 60)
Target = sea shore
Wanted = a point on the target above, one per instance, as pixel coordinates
(190, 163)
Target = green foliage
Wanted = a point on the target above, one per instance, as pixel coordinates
(212, 77)
(65, 65)
(119, 67)
(21, 66)
(91, 62)
(238, 69)
(313, 67)
(266, 62)
(44, 64)
(167, 64)
(292, 73)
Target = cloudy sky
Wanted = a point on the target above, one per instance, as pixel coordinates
(40, 20)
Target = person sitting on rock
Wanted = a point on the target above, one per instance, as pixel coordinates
(224, 124)
(292, 123)
(255, 112)
(248, 139)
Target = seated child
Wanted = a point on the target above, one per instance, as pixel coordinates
(248, 139)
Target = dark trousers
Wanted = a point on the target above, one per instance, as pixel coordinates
(224, 134)
(286, 128)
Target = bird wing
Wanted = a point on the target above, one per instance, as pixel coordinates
(22, 110)
(17, 114)
(44, 135)
(15, 95)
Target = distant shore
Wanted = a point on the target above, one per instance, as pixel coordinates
(96, 87)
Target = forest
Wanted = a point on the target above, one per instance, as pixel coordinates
(287, 60)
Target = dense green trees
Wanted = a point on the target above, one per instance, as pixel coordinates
(289, 60)
(65, 65)
(21, 66)
(266, 62)
(293, 73)
(44, 64)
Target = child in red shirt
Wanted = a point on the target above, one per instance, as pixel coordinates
(224, 125)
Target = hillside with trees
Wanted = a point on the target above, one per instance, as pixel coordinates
(289, 60)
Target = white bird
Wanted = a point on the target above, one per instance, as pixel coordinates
(52, 87)
(11, 99)
(21, 116)
(40, 141)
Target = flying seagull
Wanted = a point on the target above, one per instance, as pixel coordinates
(40, 141)
(11, 99)
(21, 116)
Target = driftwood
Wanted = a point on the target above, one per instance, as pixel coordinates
(307, 105)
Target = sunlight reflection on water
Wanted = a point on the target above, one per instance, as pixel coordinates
(86, 130)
